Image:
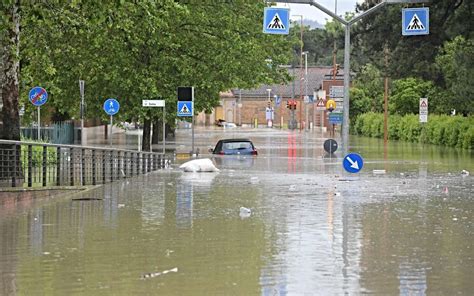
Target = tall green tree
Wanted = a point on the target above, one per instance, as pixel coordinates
(456, 62)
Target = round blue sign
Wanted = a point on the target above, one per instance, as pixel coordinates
(38, 96)
(353, 163)
(111, 106)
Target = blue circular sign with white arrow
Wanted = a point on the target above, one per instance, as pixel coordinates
(353, 163)
(111, 106)
(38, 96)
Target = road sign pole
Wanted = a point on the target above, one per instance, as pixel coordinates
(164, 127)
(81, 90)
(39, 124)
(110, 133)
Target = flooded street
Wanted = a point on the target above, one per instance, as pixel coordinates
(313, 229)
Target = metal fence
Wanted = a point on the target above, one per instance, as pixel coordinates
(24, 164)
(58, 133)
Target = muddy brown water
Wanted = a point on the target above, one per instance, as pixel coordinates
(313, 229)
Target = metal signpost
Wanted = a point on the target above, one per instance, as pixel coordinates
(185, 107)
(38, 97)
(83, 109)
(111, 107)
(347, 48)
(158, 103)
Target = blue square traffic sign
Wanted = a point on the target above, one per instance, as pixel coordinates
(276, 20)
(185, 108)
(415, 21)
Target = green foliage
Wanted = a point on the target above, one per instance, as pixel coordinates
(371, 81)
(452, 131)
(145, 50)
(37, 154)
(406, 94)
(456, 61)
(360, 102)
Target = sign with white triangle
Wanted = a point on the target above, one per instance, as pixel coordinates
(276, 20)
(320, 105)
(185, 108)
(415, 21)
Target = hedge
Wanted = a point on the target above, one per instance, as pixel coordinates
(453, 131)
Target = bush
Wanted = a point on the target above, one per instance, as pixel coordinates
(453, 131)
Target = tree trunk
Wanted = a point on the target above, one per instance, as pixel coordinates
(10, 72)
(157, 131)
(146, 135)
(10, 165)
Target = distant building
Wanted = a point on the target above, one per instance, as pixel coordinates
(244, 106)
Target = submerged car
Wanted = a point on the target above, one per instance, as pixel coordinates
(234, 147)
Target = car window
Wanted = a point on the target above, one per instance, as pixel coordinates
(237, 145)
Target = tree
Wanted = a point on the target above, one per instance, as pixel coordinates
(456, 62)
(122, 54)
(10, 47)
(406, 94)
(414, 55)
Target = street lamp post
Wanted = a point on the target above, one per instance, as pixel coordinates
(305, 53)
(347, 43)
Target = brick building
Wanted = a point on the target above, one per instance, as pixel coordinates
(248, 106)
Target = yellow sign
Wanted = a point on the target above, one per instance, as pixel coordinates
(331, 105)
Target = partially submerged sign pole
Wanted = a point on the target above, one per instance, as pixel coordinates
(186, 107)
(158, 103)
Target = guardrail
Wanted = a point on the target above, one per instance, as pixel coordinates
(27, 164)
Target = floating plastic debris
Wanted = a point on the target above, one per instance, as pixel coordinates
(464, 173)
(245, 212)
(199, 165)
(379, 172)
(254, 180)
(121, 206)
(155, 274)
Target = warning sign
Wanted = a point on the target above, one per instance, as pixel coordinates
(424, 110)
(320, 105)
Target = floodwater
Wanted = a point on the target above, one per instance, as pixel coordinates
(313, 229)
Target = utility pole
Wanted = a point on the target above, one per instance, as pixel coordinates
(385, 97)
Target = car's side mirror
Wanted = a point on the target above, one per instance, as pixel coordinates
(210, 150)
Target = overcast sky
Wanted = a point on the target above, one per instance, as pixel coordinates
(311, 12)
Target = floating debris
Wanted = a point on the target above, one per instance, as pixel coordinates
(379, 172)
(245, 212)
(292, 188)
(86, 198)
(199, 165)
(254, 180)
(464, 173)
(155, 274)
(121, 206)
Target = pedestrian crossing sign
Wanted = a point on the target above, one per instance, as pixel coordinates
(415, 21)
(276, 20)
(185, 108)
